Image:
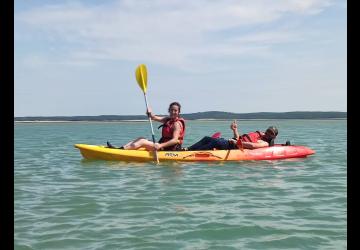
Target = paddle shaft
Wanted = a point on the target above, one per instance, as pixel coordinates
(152, 130)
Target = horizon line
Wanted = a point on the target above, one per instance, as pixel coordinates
(184, 113)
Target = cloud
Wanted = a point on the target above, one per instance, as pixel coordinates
(168, 32)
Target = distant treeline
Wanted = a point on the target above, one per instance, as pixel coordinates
(199, 115)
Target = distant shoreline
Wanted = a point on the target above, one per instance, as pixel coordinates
(200, 116)
(205, 120)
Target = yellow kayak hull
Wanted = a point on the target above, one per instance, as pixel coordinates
(98, 152)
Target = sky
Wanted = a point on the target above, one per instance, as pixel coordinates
(75, 58)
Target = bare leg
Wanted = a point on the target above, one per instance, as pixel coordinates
(138, 143)
(127, 145)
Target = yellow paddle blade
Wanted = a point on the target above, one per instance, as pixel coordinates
(141, 77)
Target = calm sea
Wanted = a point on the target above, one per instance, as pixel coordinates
(64, 202)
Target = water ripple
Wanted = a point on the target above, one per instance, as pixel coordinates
(63, 202)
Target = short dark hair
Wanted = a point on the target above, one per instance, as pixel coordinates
(273, 131)
(175, 103)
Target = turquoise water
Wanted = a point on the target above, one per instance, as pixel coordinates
(64, 202)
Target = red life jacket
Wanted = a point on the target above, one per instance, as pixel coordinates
(167, 133)
(252, 136)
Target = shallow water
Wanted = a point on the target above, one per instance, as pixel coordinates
(64, 202)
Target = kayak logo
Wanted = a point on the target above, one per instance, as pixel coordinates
(171, 154)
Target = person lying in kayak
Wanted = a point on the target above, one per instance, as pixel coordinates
(251, 140)
(173, 132)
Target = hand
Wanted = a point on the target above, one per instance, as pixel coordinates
(157, 146)
(149, 112)
(233, 125)
(232, 141)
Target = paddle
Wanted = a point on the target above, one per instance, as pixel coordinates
(141, 78)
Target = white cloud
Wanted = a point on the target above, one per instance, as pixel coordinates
(168, 32)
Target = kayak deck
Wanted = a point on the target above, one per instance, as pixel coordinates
(275, 152)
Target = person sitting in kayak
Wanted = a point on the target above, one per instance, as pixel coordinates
(173, 132)
(251, 140)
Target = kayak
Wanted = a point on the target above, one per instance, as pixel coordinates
(276, 152)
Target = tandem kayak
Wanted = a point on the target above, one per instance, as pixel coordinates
(276, 152)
